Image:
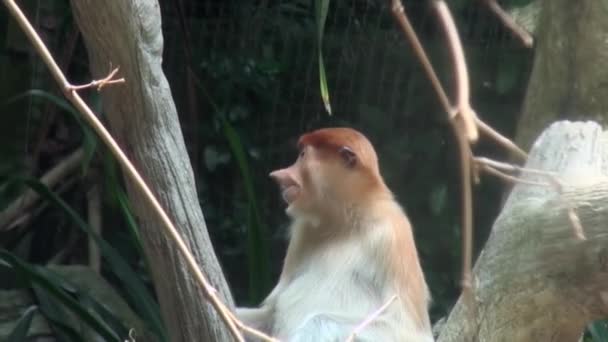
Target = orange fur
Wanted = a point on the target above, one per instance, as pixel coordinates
(351, 249)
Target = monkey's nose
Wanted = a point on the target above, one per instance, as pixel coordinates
(280, 176)
(284, 178)
(274, 174)
(288, 185)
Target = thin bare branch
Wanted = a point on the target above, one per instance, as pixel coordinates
(100, 83)
(252, 332)
(49, 179)
(403, 21)
(405, 25)
(524, 36)
(496, 168)
(509, 178)
(369, 319)
(464, 151)
(459, 128)
(463, 106)
(500, 139)
(465, 130)
(514, 168)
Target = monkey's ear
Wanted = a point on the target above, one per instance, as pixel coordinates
(348, 156)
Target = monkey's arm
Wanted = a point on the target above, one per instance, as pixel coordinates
(257, 318)
(332, 327)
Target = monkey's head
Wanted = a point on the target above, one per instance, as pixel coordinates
(336, 168)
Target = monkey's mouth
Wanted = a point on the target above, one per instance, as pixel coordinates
(290, 193)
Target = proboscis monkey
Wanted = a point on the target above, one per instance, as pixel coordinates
(351, 250)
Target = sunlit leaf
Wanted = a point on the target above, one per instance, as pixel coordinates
(321, 8)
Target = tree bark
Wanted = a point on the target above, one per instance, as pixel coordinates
(570, 67)
(534, 280)
(142, 117)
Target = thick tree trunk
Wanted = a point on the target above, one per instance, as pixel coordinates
(143, 119)
(535, 280)
(570, 67)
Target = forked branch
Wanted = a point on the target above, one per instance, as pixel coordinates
(465, 122)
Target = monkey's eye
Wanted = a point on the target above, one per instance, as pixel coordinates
(348, 156)
(302, 153)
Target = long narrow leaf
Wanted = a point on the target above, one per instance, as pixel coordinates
(145, 305)
(57, 316)
(23, 325)
(259, 276)
(87, 301)
(321, 9)
(118, 193)
(45, 95)
(37, 279)
(89, 139)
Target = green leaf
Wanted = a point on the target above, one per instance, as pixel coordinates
(54, 289)
(23, 325)
(111, 320)
(137, 292)
(257, 247)
(56, 315)
(45, 95)
(598, 331)
(321, 8)
(89, 138)
(118, 193)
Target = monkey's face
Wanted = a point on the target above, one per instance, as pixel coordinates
(294, 182)
(319, 182)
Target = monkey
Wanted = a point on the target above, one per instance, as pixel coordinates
(350, 251)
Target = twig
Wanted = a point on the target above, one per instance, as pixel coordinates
(399, 14)
(466, 132)
(253, 332)
(464, 151)
(500, 139)
(496, 168)
(127, 166)
(463, 106)
(524, 36)
(49, 179)
(458, 127)
(100, 83)
(369, 319)
(403, 21)
(506, 177)
(575, 221)
(514, 168)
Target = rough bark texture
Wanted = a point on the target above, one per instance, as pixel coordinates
(570, 72)
(143, 118)
(535, 281)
